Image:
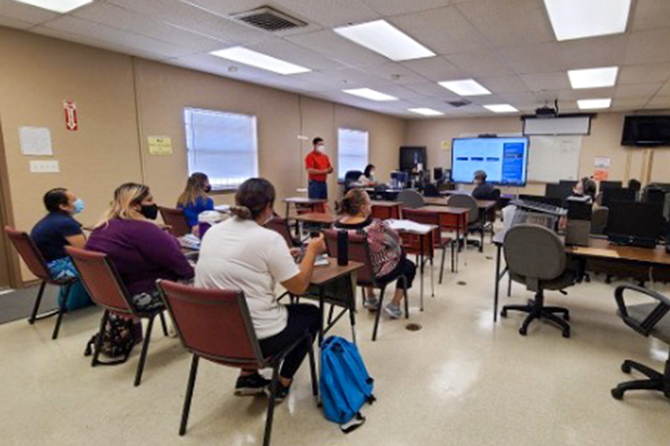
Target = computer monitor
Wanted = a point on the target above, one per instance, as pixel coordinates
(572, 183)
(438, 174)
(399, 179)
(635, 223)
(559, 190)
(614, 194)
(654, 195)
(610, 184)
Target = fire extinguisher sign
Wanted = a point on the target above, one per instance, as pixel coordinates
(71, 121)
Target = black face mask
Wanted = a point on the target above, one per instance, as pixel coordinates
(149, 211)
(208, 189)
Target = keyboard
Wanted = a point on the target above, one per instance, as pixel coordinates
(533, 218)
(539, 207)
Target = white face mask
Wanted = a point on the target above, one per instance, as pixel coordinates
(320, 149)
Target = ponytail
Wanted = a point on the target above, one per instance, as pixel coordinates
(242, 212)
(252, 198)
(352, 203)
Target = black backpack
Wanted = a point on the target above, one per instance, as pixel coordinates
(118, 340)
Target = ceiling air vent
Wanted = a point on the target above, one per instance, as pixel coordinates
(269, 19)
(461, 103)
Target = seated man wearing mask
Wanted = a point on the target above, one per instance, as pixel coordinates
(53, 233)
(483, 190)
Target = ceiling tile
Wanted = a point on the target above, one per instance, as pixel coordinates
(435, 69)
(394, 72)
(651, 14)
(443, 30)
(216, 65)
(433, 90)
(643, 74)
(510, 22)
(13, 23)
(629, 103)
(594, 52)
(594, 93)
(354, 78)
(195, 19)
(546, 81)
(396, 7)
(530, 59)
(293, 53)
(25, 13)
(74, 25)
(648, 47)
(482, 63)
(659, 102)
(337, 48)
(402, 92)
(330, 13)
(639, 90)
(504, 84)
(123, 19)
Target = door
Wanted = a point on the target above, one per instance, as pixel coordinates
(5, 274)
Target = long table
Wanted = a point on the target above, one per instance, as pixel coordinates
(599, 248)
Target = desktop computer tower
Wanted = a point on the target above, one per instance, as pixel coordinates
(578, 228)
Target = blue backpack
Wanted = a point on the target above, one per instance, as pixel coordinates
(345, 383)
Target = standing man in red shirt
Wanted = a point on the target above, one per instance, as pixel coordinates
(318, 167)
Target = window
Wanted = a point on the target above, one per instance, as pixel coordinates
(224, 146)
(352, 153)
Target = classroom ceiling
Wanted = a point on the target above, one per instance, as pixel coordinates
(506, 45)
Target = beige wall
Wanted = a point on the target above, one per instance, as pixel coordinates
(122, 100)
(604, 140)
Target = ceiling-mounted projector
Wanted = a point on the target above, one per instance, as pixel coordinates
(547, 111)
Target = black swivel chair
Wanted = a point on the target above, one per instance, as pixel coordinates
(646, 319)
(535, 257)
(431, 191)
(350, 177)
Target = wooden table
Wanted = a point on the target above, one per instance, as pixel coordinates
(384, 210)
(599, 248)
(303, 201)
(317, 218)
(485, 207)
(451, 218)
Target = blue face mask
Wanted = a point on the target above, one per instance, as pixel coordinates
(78, 206)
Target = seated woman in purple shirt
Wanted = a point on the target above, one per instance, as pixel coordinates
(140, 250)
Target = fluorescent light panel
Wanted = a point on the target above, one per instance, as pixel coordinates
(501, 108)
(593, 77)
(465, 87)
(591, 104)
(259, 60)
(576, 19)
(425, 111)
(371, 94)
(59, 6)
(385, 39)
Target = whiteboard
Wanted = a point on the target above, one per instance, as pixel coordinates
(554, 158)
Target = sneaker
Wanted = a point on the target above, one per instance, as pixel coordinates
(282, 392)
(393, 311)
(250, 385)
(371, 303)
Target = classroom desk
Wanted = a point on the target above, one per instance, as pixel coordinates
(384, 210)
(451, 218)
(485, 208)
(303, 202)
(599, 248)
(425, 246)
(317, 219)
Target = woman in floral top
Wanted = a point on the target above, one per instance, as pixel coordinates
(388, 259)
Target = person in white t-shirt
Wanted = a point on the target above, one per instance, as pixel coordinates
(241, 253)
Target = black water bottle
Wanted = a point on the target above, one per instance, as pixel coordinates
(342, 248)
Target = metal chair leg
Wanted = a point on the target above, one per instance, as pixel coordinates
(189, 394)
(444, 255)
(163, 324)
(271, 405)
(143, 355)
(38, 301)
(432, 278)
(61, 311)
(379, 312)
(98, 339)
(312, 366)
(404, 290)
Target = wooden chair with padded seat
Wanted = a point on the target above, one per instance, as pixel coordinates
(648, 319)
(536, 258)
(106, 289)
(216, 325)
(38, 266)
(176, 221)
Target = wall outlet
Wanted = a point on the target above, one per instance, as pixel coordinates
(50, 166)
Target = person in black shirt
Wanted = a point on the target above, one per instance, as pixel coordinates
(53, 233)
(483, 190)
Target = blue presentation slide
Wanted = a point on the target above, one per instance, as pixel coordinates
(503, 159)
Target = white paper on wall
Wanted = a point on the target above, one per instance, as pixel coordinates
(35, 141)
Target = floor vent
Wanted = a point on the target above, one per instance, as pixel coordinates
(269, 19)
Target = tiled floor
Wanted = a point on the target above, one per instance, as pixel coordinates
(461, 380)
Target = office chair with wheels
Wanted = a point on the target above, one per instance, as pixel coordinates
(350, 177)
(474, 221)
(535, 257)
(646, 319)
(38, 266)
(411, 199)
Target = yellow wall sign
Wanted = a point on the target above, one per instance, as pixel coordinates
(159, 145)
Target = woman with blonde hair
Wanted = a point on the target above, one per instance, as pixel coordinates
(194, 200)
(140, 250)
(389, 262)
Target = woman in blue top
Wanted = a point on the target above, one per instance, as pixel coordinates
(194, 199)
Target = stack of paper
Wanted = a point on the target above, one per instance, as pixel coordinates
(190, 241)
(409, 226)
